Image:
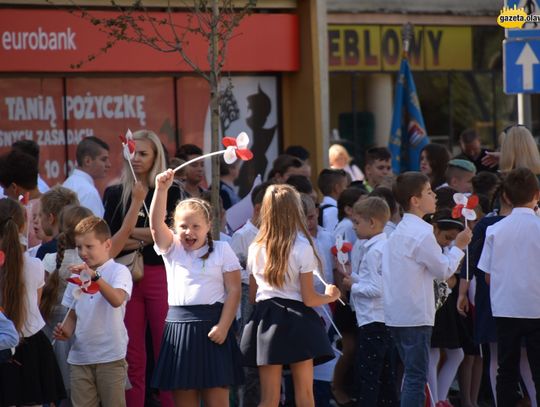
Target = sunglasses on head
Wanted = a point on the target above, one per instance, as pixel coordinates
(506, 129)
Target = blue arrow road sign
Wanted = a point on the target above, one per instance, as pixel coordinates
(521, 66)
(529, 30)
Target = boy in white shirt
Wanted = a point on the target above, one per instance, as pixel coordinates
(508, 259)
(97, 356)
(375, 374)
(331, 183)
(411, 260)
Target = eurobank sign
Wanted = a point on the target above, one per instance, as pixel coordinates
(40, 40)
(376, 48)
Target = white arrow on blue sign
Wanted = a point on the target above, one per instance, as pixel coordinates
(521, 66)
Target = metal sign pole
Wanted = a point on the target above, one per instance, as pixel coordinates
(524, 109)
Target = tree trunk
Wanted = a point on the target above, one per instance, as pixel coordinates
(214, 118)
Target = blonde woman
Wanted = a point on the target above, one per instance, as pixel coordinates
(148, 302)
(341, 160)
(518, 149)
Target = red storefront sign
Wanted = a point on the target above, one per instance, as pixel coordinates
(36, 109)
(44, 40)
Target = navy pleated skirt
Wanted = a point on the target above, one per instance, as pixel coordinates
(282, 331)
(188, 359)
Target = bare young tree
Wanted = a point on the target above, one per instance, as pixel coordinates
(215, 21)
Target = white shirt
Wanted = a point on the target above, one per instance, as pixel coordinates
(355, 172)
(367, 293)
(42, 185)
(301, 260)
(389, 228)
(83, 185)
(330, 213)
(34, 279)
(323, 244)
(345, 228)
(509, 257)
(240, 241)
(193, 281)
(100, 333)
(412, 259)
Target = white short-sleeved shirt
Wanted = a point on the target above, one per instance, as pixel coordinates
(83, 185)
(193, 281)
(240, 241)
(509, 257)
(34, 278)
(301, 260)
(411, 260)
(100, 333)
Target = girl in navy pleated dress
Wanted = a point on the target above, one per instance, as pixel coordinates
(283, 328)
(199, 356)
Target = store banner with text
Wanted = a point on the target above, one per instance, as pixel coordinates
(379, 48)
(35, 109)
(39, 40)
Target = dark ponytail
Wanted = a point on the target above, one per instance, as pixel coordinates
(12, 282)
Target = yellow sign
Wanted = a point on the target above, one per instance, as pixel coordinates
(379, 48)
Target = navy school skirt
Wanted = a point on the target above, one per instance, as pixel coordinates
(282, 331)
(188, 359)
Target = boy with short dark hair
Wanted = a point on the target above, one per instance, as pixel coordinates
(30, 147)
(284, 166)
(331, 183)
(97, 356)
(93, 164)
(512, 272)
(375, 375)
(459, 175)
(378, 167)
(412, 259)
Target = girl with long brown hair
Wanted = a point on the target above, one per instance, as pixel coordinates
(284, 329)
(33, 377)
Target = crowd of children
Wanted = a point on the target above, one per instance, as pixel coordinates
(379, 294)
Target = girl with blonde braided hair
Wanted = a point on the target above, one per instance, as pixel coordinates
(199, 356)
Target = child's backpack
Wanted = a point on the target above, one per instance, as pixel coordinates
(321, 210)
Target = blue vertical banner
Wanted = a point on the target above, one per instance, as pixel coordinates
(408, 132)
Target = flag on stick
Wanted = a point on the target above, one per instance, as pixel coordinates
(408, 132)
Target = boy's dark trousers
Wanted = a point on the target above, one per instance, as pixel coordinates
(511, 333)
(375, 371)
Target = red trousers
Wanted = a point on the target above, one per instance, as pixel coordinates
(148, 305)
